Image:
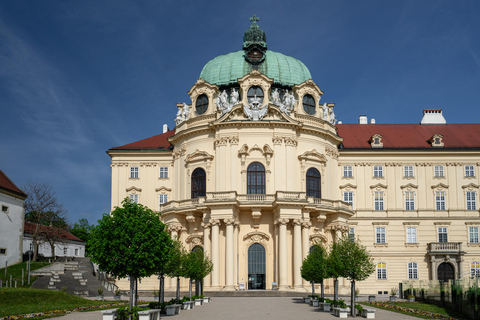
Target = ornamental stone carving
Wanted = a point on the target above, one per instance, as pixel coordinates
(229, 221)
(286, 104)
(256, 236)
(254, 111)
(215, 222)
(282, 221)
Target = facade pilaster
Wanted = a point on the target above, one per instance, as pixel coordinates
(297, 253)
(206, 249)
(283, 253)
(175, 231)
(229, 254)
(215, 254)
(306, 241)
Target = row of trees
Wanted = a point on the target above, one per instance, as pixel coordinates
(347, 258)
(132, 242)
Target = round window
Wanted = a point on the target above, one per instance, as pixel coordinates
(308, 104)
(253, 92)
(202, 104)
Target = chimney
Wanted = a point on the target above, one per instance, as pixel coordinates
(363, 120)
(165, 128)
(433, 116)
(372, 121)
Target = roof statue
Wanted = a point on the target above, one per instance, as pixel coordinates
(253, 111)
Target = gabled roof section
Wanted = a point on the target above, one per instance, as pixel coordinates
(410, 136)
(30, 229)
(153, 143)
(7, 185)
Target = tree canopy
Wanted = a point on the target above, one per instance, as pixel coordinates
(82, 229)
(314, 267)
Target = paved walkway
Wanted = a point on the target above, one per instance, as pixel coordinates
(250, 308)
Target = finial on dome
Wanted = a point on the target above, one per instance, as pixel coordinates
(255, 42)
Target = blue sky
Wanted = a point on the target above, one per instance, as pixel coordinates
(80, 77)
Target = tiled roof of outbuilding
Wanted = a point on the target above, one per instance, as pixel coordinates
(153, 143)
(30, 229)
(410, 136)
(8, 185)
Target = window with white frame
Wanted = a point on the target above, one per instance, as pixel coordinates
(77, 252)
(380, 235)
(475, 269)
(408, 171)
(347, 171)
(133, 172)
(348, 197)
(378, 171)
(134, 198)
(473, 234)
(409, 200)
(65, 250)
(163, 172)
(351, 234)
(439, 200)
(412, 270)
(163, 198)
(442, 234)
(469, 171)
(471, 200)
(381, 271)
(411, 234)
(438, 171)
(378, 199)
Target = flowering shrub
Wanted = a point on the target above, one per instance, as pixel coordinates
(411, 311)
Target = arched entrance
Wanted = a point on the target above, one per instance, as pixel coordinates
(256, 267)
(445, 272)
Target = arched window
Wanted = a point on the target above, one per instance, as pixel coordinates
(313, 183)
(256, 178)
(198, 183)
(197, 248)
(201, 105)
(255, 91)
(256, 267)
(308, 104)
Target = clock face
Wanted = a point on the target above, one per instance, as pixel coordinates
(255, 55)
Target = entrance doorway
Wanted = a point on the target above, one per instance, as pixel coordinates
(256, 267)
(445, 272)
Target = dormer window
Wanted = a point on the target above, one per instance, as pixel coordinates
(201, 105)
(376, 141)
(437, 141)
(253, 92)
(309, 104)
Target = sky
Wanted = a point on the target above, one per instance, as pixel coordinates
(80, 77)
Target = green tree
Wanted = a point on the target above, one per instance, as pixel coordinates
(175, 266)
(335, 267)
(82, 229)
(130, 242)
(357, 265)
(314, 266)
(197, 266)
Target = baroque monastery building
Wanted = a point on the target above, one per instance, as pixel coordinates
(257, 170)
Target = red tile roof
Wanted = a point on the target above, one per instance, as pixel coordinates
(156, 142)
(7, 184)
(30, 228)
(409, 136)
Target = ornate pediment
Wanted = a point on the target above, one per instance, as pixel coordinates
(313, 155)
(198, 156)
(256, 236)
(163, 189)
(194, 240)
(440, 186)
(133, 188)
(409, 186)
(378, 186)
(318, 237)
(471, 186)
(348, 186)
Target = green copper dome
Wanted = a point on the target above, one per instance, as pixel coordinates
(227, 68)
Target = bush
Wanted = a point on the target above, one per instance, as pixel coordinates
(124, 313)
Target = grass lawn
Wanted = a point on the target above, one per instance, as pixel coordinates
(15, 301)
(16, 272)
(417, 309)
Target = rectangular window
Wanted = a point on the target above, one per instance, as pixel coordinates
(379, 200)
(442, 234)
(381, 235)
(163, 199)
(3, 251)
(409, 200)
(381, 271)
(475, 269)
(439, 171)
(134, 198)
(5, 209)
(348, 197)
(439, 200)
(31, 246)
(471, 200)
(408, 171)
(163, 172)
(411, 235)
(133, 172)
(412, 270)
(351, 234)
(65, 251)
(473, 234)
(469, 171)
(378, 171)
(347, 171)
(77, 252)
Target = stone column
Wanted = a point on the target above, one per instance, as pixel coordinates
(306, 242)
(207, 249)
(215, 254)
(282, 253)
(229, 255)
(297, 253)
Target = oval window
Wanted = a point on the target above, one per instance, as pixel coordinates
(201, 104)
(308, 104)
(253, 92)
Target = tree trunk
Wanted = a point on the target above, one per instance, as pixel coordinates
(161, 294)
(178, 290)
(190, 287)
(52, 247)
(335, 290)
(132, 292)
(136, 292)
(322, 289)
(352, 296)
(313, 288)
(35, 249)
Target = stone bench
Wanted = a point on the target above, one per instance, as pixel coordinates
(187, 305)
(307, 299)
(368, 313)
(110, 314)
(198, 302)
(152, 314)
(206, 299)
(325, 306)
(173, 309)
(340, 312)
(314, 302)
